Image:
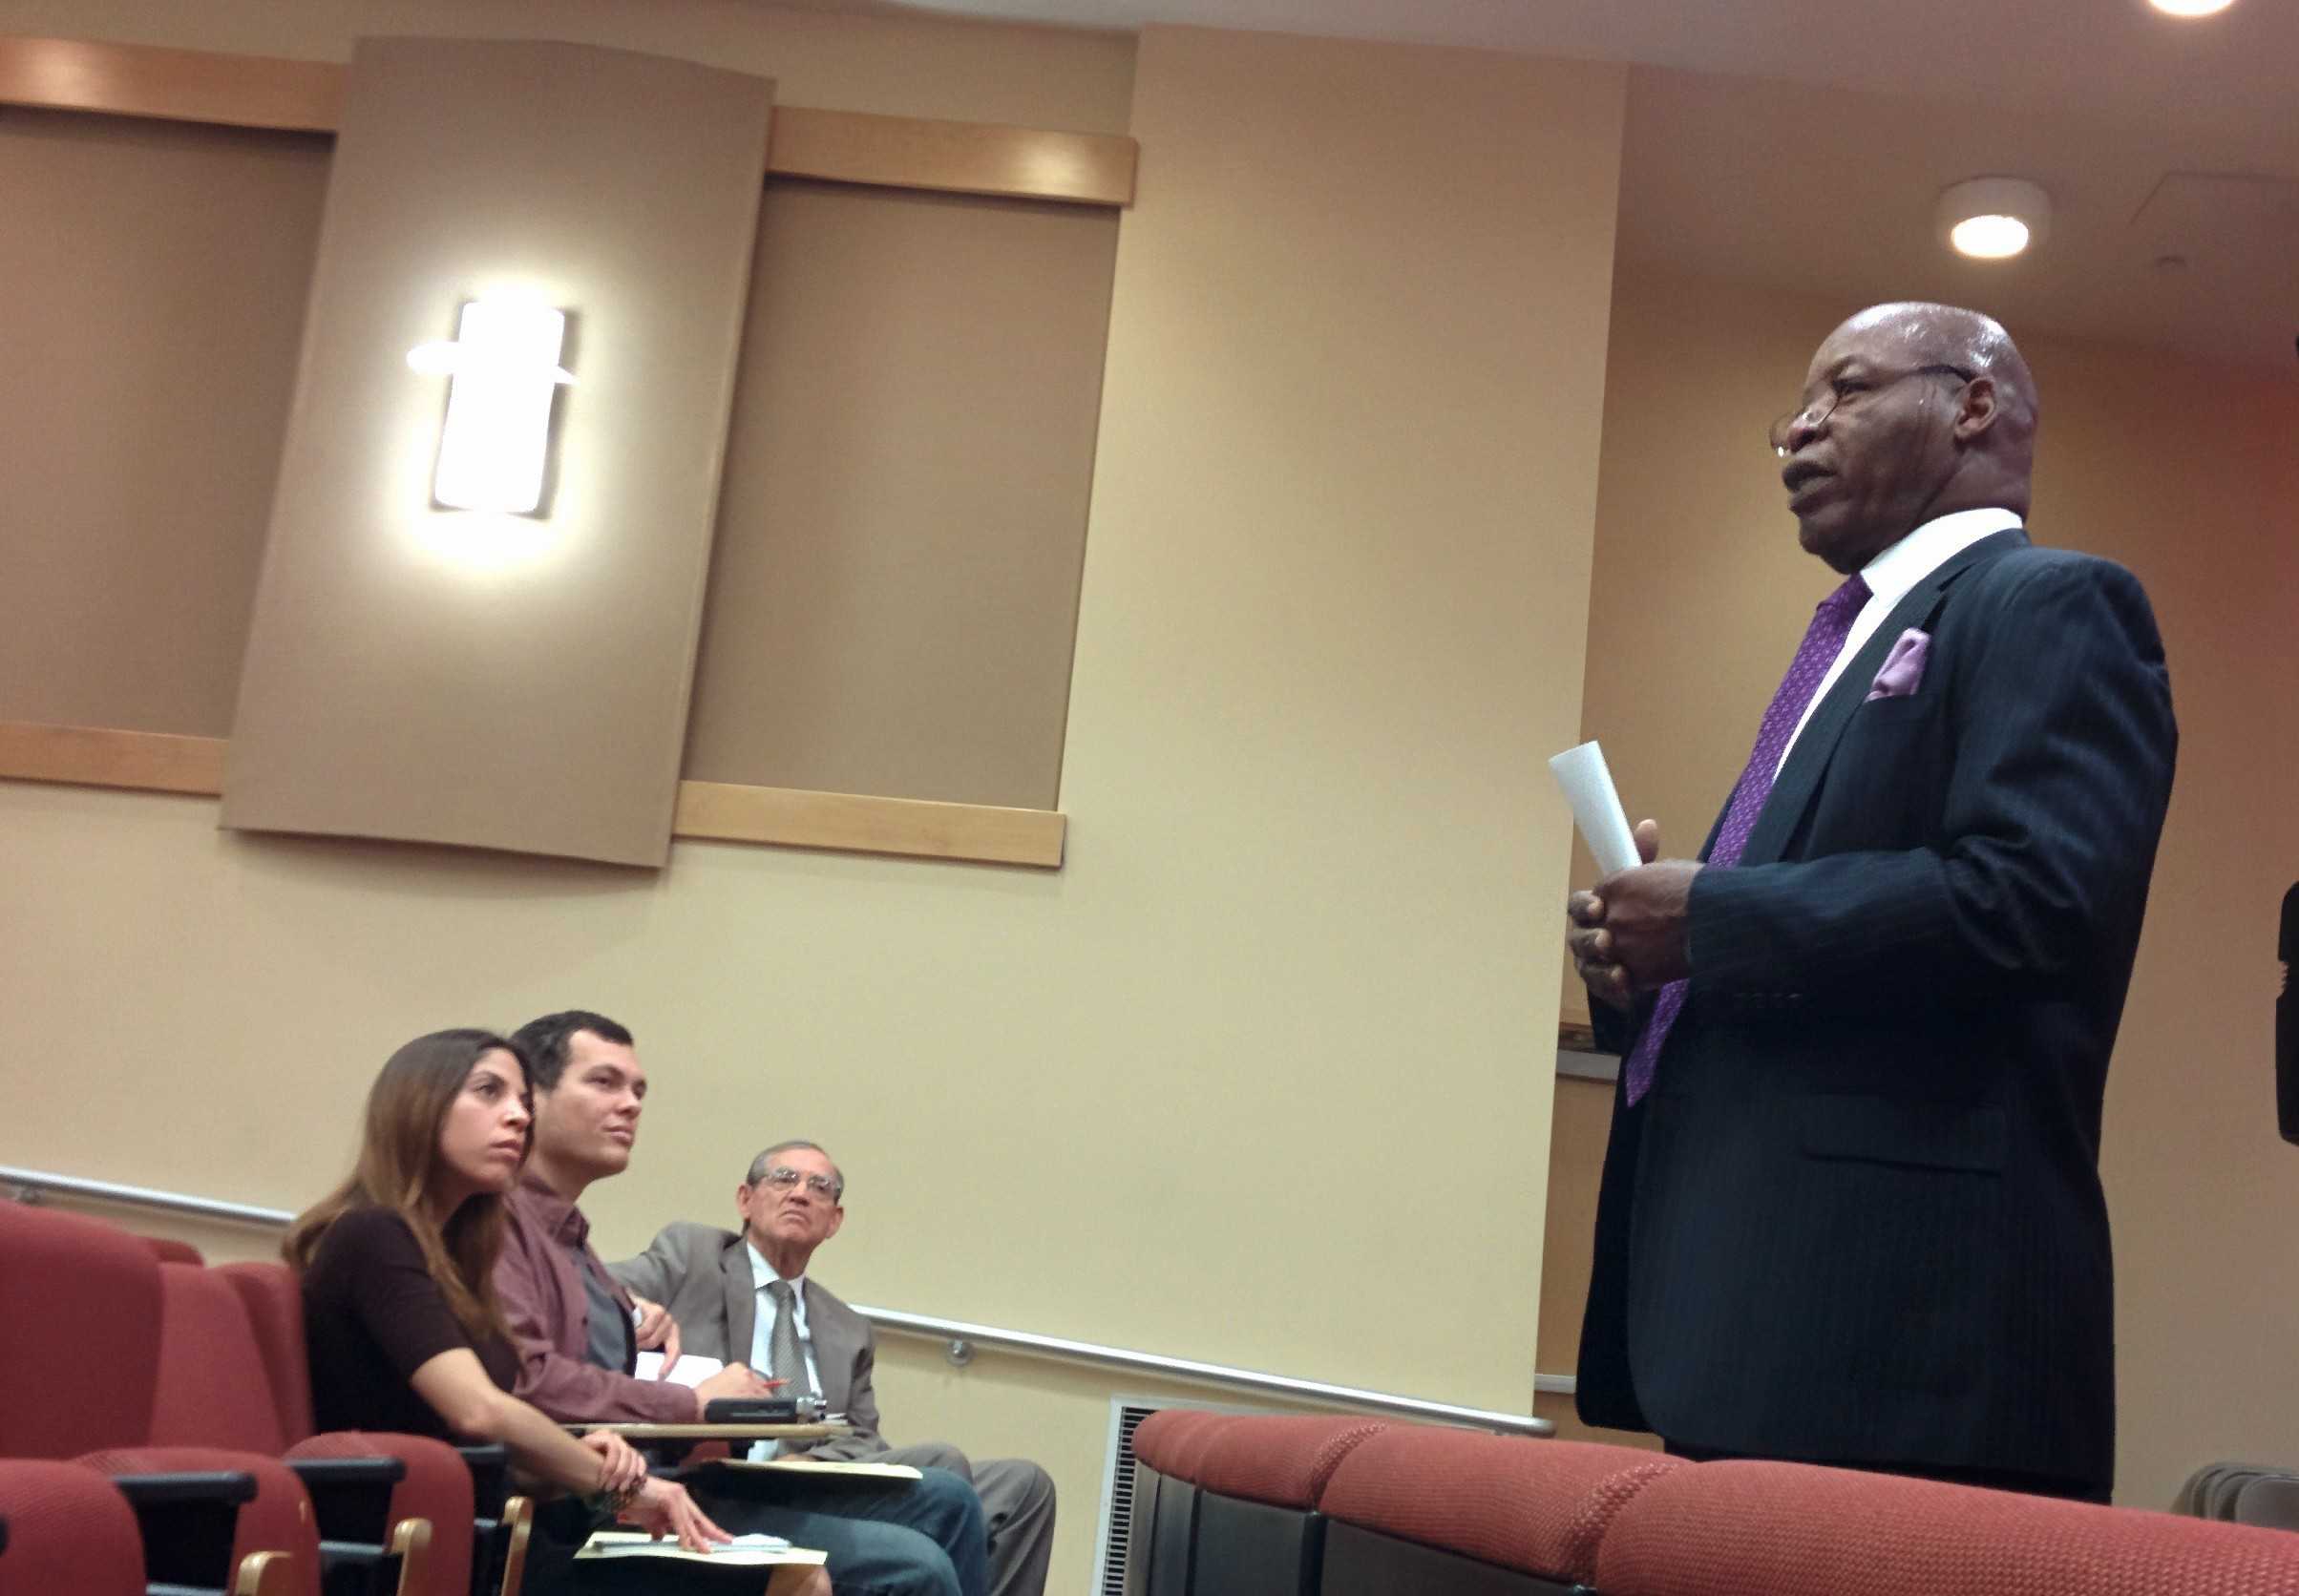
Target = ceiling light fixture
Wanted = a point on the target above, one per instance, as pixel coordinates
(1992, 219)
(2191, 7)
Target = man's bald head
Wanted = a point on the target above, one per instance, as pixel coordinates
(1927, 334)
(1910, 411)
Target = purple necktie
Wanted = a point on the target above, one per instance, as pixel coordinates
(1823, 640)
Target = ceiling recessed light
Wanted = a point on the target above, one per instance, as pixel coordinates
(1988, 238)
(1994, 218)
(2190, 8)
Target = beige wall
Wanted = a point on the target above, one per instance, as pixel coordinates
(2187, 473)
(1281, 1026)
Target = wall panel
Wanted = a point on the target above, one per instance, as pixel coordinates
(154, 282)
(394, 641)
(893, 587)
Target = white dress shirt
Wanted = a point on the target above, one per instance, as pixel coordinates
(1893, 574)
(762, 1337)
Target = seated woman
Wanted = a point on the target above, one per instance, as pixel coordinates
(397, 1264)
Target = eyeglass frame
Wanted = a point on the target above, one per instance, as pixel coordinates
(821, 1186)
(1827, 406)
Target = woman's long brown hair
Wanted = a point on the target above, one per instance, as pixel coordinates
(398, 1158)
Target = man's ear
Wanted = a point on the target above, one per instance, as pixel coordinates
(1978, 408)
(742, 1202)
(838, 1218)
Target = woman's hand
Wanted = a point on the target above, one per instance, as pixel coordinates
(664, 1508)
(622, 1470)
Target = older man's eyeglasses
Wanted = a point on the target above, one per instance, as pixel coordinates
(1843, 392)
(783, 1178)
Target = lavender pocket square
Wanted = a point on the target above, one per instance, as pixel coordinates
(1903, 669)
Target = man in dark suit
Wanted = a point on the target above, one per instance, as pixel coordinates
(1851, 1211)
(745, 1296)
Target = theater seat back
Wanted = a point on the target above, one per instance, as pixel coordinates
(274, 1301)
(79, 1370)
(1541, 1508)
(169, 1251)
(213, 1388)
(1788, 1529)
(1259, 1531)
(67, 1531)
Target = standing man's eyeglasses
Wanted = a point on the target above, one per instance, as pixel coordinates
(1843, 392)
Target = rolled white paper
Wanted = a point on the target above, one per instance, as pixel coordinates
(1595, 807)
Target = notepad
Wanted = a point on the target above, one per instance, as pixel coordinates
(744, 1551)
(805, 1465)
(691, 1369)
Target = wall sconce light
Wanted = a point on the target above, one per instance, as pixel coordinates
(503, 374)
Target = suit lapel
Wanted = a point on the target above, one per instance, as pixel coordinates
(828, 1320)
(742, 1299)
(1814, 747)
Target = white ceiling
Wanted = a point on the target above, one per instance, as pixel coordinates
(1804, 142)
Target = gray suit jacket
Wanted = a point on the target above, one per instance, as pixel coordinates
(702, 1274)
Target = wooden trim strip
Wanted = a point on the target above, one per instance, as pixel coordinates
(707, 812)
(722, 812)
(951, 157)
(171, 85)
(96, 756)
(307, 96)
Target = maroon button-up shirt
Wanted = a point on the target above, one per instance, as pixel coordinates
(540, 1282)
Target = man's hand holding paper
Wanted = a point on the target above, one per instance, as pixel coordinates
(1627, 932)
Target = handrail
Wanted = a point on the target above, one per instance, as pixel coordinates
(31, 1182)
(961, 1337)
(959, 1334)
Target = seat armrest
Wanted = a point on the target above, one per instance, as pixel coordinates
(351, 1497)
(187, 1522)
(351, 1504)
(489, 1468)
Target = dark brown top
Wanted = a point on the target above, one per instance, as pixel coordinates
(372, 1316)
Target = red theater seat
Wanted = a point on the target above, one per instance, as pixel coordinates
(1170, 1443)
(79, 1373)
(120, 1330)
(1258, 1532)
(437, 1489)
(277, 1521)
(1787, 1529)
(1417, 1508)
(217, 1388)
(68, 1531)
(1283, 1461)
(1172, 1439)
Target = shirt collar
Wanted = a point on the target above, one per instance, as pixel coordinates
(1894, 573)
(558, 1217)
(761, 1272)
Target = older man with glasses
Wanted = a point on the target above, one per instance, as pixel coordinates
(1851, 1210)
(745, 1295)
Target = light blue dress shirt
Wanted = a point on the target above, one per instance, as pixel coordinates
(762, 1338)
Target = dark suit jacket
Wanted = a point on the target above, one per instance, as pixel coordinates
(1858, 1218)
(702, 1274)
